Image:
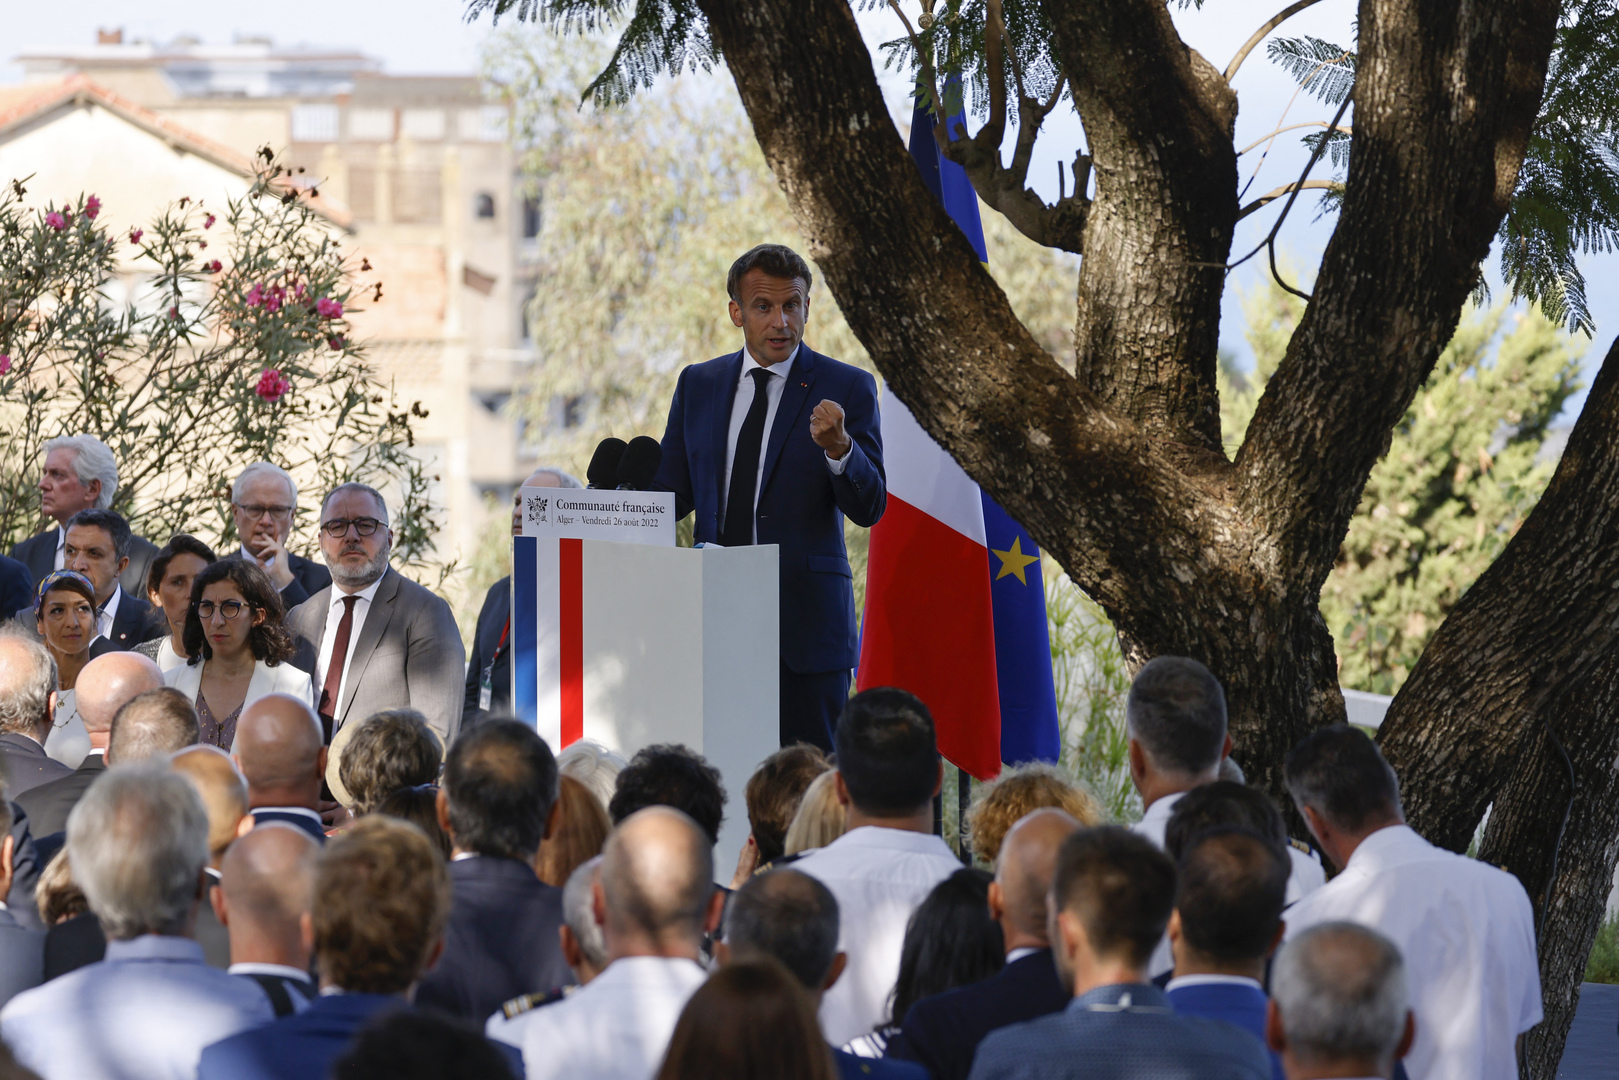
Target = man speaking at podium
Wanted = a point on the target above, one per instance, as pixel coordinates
(775, 444)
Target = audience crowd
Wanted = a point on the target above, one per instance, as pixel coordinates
(260, 824)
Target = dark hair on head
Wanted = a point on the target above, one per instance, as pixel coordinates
(774, 791)
(791, 918)
(777, 260)
(419, 806)
(114, 524)
(1120, 886)
(750, 1021)
(152, 724)
(1339, 772)
(413, 1044)
(392, 749)
(500, 781)
(1231, 888)
(888, 754)
(1222, 802)
(950, 941)
(269, 640)
(179, 544)
(1176, 710)
(668, 774)
(354, 485)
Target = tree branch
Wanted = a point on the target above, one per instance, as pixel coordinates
(1259, 35)
(1271, 135)
(1272, 196)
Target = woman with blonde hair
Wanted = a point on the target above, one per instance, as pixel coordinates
(820, 820)
(1020, 791)
(581, 831)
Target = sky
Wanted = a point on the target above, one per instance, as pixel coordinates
(431, 36)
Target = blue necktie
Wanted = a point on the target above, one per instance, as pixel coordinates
(738, 530)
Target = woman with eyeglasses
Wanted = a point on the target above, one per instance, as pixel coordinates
(65, 615)
(237, 647)
(168, 587)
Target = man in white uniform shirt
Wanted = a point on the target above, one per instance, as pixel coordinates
(1465, 928)
(888, 861)
(654, 901)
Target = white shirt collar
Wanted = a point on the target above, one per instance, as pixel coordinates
(109, 613)
(1018, 954)
(300, 811)
(1213, 980)
(781, 369)
(255, 968)
(368, 594)
(1385, 847)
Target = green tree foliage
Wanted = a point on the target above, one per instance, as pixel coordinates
(1464, 468)
(195, 360)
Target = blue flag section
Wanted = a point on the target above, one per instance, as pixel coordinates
(1017, 590)
(947, 180)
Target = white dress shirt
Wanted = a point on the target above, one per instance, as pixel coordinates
(1213, 980)
(615, 1027)
(1467, 933)
(774, 385)
(879, 877)
(105, 617)
(61, 547)
(334, 615)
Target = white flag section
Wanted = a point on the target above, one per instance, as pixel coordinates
(924, 476)
(633, 644)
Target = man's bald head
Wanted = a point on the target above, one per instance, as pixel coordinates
(1023, 872)
(223, 791)
(154, 724)
(279, 744)
(268, 881)
(657, 877)
(106, 684)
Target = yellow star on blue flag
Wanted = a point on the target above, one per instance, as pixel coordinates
(1013, 561)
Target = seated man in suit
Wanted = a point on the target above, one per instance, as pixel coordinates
(943, 1032)
(1339, 1005)
(224, 796)
(27, 700)
(266, 890)
(776, 444)
(280, 751)
(22, 948)
(489, 664)
(98, 546)
(1227, 921)
(1111, 898)
(138, 842)
(102, 688)
(791, 918)
(80, 473)
(264, 504)
(375, 639)
(381, 897)
(497, 802)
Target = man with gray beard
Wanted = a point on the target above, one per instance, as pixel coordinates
(374, 639)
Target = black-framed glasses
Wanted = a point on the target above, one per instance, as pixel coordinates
(228, 608)
(278, 513)
(339, 527)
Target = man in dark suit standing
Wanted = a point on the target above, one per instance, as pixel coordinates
(80, 473)
(263, 503)
(943, 1032)
(497, 803)
(27, 690)
(776, 444)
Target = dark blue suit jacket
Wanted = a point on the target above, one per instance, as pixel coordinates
(1238, 1005)
(295, 1047)
(16, 587)
(942, 1032)
(501, 940)
(309, 825)
(854, 1067)
(801, 503)
(1123, 1032)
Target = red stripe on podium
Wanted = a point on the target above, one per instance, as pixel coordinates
(571, 598)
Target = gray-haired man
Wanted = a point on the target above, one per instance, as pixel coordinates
(1338, 1004)
(79, 473)
(264, 503)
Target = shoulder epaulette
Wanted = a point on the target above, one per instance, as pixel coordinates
(517, 1006)
(1302, 846)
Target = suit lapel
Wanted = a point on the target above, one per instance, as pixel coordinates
(800, 381)
(376, 623)
(724, 399)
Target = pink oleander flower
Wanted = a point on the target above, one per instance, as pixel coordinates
(56, 220)
(255, 295)
(202, 243)
(135, 235)
(92, 207)
(5, 363)
(208, 222)
(336, 343)
(272, 300)
(213, 267)
(174, 313)
(298, 290)
(327, 308)
(272, 386)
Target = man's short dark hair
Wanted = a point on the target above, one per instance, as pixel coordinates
(774, 791)
(788, 916)
(392, 749)
(1121, 887)
(500, 782)
(1232, 886)
(156, 723)
(407, 1044)
(114, 524)
(1339, 772)
(888, 754)
(1223, 802)
(668, 774)
(777, 260)
(1176, 710)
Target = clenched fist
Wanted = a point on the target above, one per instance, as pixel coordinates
(826, 428)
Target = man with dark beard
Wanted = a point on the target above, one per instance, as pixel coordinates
(374, 639)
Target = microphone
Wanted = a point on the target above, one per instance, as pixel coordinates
(639, 465)
(603, 471)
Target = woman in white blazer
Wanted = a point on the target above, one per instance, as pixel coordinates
(238, 649)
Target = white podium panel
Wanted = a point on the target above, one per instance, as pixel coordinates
(634, 644)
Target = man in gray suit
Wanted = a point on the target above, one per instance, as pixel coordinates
(374, 639)
(79, 473)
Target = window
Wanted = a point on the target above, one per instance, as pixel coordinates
(371, 125)
(314, 123)
(487, 124)
(424, 124)
(483, 205)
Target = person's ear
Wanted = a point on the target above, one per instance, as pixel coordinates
(1409, 1037)
(996, 901)
(1138, 761)
(92, 488)
(441, 806)
(216, 898)
(1174, 931)
(1276, 938)
(716, 912)
(8, 863)
(306, 931)
(1070, 936)
(552, 820)
(1275, 1037)
(433, 956)
(840, 964)
(722, 954)
(571, 952)
(245, 826)
(122, 565)
(598, 903)
(842, 789)
(1225, 751)
(736, 313)
(321, 761)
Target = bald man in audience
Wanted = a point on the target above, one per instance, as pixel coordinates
(943, 1032)
(158, 723)
(655, 900)
(264, 899)
(224, 796)
(103, 687)
(280, 749)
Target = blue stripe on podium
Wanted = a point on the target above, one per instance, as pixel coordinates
(525, 629)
